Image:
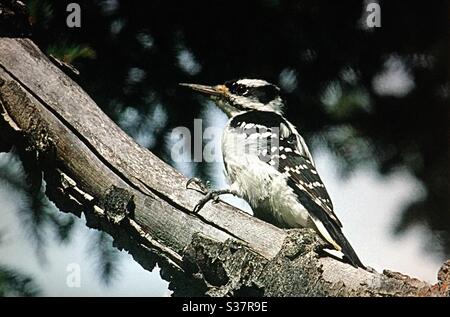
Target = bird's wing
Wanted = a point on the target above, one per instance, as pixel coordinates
(303, 178)
(302, 174)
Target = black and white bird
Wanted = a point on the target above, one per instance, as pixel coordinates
(268, 164)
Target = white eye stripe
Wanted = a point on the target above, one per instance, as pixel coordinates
(252, 82)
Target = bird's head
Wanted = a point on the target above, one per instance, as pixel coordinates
(242, 95)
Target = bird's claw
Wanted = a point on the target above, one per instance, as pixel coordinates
(197, 181)
(202, 188)
(209, 196)
(197, 208)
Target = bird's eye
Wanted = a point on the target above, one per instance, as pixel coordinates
(239, 89)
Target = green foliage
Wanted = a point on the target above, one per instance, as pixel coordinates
(42, 17)
(41, 12)
(70, 52)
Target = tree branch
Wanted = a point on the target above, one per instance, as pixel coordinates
(91, 166)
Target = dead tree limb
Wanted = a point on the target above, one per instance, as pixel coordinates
(91, 166)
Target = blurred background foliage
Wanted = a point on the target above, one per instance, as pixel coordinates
(333, 71)
(41, 222)
(14, 283)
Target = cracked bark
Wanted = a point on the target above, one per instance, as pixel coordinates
(92, 167)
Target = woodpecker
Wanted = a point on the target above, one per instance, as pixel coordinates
(268, 164)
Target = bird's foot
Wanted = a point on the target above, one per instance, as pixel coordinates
(211, 195)
(202, 188)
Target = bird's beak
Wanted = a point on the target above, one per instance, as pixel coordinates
(213, 91)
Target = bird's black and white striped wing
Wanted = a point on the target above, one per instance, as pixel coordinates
(301, 173)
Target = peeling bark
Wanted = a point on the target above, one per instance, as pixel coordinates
(93, 167)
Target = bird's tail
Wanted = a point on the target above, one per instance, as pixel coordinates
(330, 230)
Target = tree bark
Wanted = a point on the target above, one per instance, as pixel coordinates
(92, 167)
